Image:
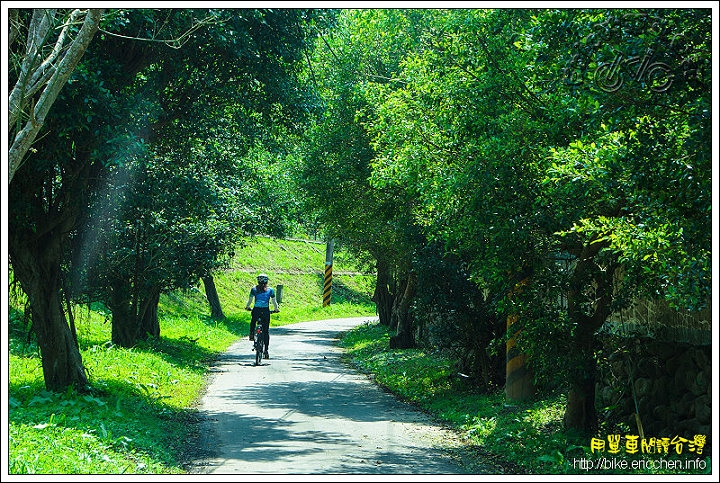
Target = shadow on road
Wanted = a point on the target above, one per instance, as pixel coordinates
(305, 412)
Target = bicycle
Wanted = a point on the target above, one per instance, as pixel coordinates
(259, 339)
(258, 344)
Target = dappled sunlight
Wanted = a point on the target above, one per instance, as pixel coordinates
(306, 409)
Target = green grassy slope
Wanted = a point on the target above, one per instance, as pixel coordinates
(296, 265)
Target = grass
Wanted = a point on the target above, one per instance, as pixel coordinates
(136, 418)
(526, 438)
(140, 416)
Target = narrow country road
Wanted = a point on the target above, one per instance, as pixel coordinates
(304, 411)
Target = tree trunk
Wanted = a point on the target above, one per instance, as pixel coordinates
(400, 286)
(382, 297)
(580, 413)
(36, 265)
(213, 298)
(49, 78)
(404, 338)
(519, 385)
(124, 323)
(149, 323)
(133, 318)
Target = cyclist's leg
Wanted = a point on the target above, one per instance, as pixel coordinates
(254, 317)
(265, 321)
(266, 333)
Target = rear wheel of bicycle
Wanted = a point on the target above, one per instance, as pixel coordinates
(258, 356)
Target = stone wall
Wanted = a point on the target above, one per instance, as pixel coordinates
(671, 382)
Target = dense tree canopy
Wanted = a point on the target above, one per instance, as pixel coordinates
(507, 138)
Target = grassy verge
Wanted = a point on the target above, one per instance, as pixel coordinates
(136, 418)
(140, 415)
(523, 439)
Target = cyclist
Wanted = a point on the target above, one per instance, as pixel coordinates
(263, 296)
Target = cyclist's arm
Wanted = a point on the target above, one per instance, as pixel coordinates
(250, 299)
(275, 304)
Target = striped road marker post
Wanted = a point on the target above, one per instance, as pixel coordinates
(518, 379)
(327, 286)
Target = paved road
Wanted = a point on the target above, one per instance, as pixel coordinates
(305, 412)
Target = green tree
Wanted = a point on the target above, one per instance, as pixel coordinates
(197, 212)
(638, 175)
(520, 168)
(361, 53)
(49, 194)
(173, 225)
(132, 87)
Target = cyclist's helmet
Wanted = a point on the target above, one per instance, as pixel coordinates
(262, 278)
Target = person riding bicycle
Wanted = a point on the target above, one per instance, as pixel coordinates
(263, 295)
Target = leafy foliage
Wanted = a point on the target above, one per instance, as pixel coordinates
(568, 146)
(568, 150)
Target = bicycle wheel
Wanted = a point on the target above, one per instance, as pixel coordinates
(258, 344)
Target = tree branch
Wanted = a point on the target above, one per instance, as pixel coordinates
(25, 137)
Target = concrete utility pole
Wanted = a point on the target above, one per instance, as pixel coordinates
(327, 287)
